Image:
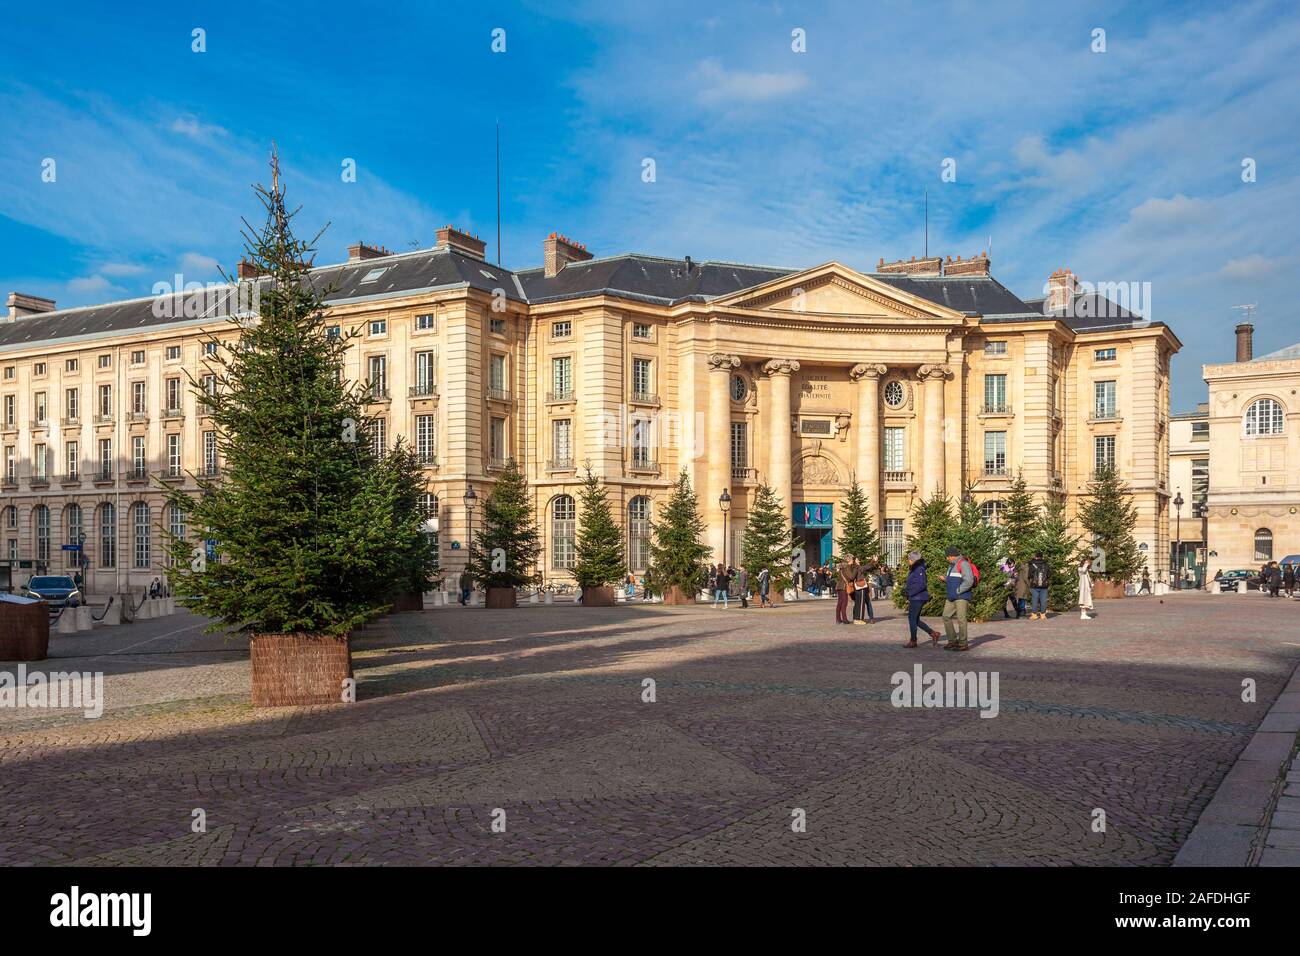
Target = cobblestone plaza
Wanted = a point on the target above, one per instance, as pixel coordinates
(537, 719)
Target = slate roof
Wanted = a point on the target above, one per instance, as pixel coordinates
(647, 278)
(1091, 312)
(1281, 355)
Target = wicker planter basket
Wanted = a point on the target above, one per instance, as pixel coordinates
(293, 670)
(675, 595)
(1105, 590)
(501, 598)
(24, 631)
(408, 601)
(602, 596)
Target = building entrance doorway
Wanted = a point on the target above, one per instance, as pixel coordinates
(812, 530)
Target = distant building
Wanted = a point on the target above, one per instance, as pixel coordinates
(1189, 479)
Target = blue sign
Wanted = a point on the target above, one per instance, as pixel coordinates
(71, 547)
(812, 514)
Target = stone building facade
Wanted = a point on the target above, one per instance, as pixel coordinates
(923, 374)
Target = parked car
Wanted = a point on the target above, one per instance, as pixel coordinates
(59, 591)
(1239, 580)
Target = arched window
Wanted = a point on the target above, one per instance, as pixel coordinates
(1263, 545)
(140, 512)
(638, 533)
(41, 520)
(1264, 417)
(992, 511)
(72, 522)
(563, 523)
(107, 536)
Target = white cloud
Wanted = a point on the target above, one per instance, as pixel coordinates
(196, 265)
(190, 126)
(1254, 268)
(1179, 212)
(123, 269)
(90, 286)
(720, 86)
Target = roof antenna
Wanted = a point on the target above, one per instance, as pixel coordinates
(498, 193)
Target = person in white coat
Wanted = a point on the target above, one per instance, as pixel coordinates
(1085, 589)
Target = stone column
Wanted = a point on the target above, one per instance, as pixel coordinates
(933, 444)
(779, 465)
(867, 469)
(718, 435)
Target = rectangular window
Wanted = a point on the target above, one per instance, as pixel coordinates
(895, 458)
(11, 411)
(425, 439)
(497, 439)
(72, 404)
(642, 443)
(9, 373)
(1103, 355)
(105, 402)
(69, 366)
(642, 377)
(739, 449)
(174, 456)
(141, 512)
(106, 458)
(138, 461)
(562, 441)
(425, 373)
(995, 393)
(74, 461)
(640, 330)
(209, 384)
(1200, 431)
(378, 376)
(209, 348)
(562, 329)
(137, 398)
(11, 465)
(106, 361)
(107, 536)
(995, 348)
(995, 453)
(379, 327)
(497, 373)
(137, 357)
(1103, 452)
(379, 437)
(562, 377)
(173, 353)
(173, 396)
(895, 540)
(209, 453)
(40, 409)
(497, 326)
(333, 332)
(40, 462)
(424, 323)
(38, 369)
(1104, 399)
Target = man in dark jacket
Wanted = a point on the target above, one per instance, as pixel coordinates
(917, 590)
(1040, 576)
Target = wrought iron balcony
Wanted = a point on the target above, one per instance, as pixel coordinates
(564, 396)
(559, 464)
(498, 394)
(422, 390)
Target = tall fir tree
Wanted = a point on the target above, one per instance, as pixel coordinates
(1109, 516)
(293, 538)
(600, 559)
(413, 547)
(769, 540)
(1059, 548)
(506, 547)
(677, 551)
(857, 537)
(1019, 521)
(931, 530)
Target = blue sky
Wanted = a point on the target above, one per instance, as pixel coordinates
(1124, 166)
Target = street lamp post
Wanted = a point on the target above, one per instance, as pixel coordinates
(470, 500)
(1178, 538)
(724, 502)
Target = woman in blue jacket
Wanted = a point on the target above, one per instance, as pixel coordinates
(918, 593)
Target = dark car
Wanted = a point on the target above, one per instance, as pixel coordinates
(1239, 580)
(58, 591)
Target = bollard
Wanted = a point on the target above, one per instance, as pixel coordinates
(144, 611)
(550, 598)
(113, 614)
(171, 604)
(1214, 588)
(473, 599)
(68, 621)
(532, 598)
(84, 621)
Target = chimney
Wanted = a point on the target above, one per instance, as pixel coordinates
(246, 270)
(359, 251)
(558, 251)
(932, 266)
(1061, 286)
(452, 239)
(1245, 345)
(22, 306)
(974, 266)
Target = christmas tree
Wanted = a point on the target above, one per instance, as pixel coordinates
(600, 558)
(1058, 546)
(505, 548)
(1108, 514)
(768, 541)
(931, 531)
(857, 536)
(301, 517)
(413, 547)
(1019, 521)
(677, 555)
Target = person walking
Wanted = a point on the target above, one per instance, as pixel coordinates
(466, 583)
(742, 583)
(843, 588)
(721, 582)
(1009, 585)
(764, 584)
(862, 594)
(1040, 576)
(1085, 589)
(917, 590)
(1146, 582)
(1288, 579)
(1274, 579)
(960, 583)
(1022, 589)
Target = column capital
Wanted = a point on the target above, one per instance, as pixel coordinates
(721, 362)
(868, 370)
(933, 372)
(780, 367)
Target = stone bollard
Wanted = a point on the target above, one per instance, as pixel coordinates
(550, 598)
(170, 602)
(145, 610)
(532, 598)
(68, 621)
(113, 614)
(84, 621)
(473, 599)
(1214, 588)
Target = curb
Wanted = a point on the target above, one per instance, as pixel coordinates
(1256, 800)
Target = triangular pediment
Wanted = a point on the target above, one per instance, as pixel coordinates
(835, 290)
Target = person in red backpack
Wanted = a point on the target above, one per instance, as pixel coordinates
(960, 581)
